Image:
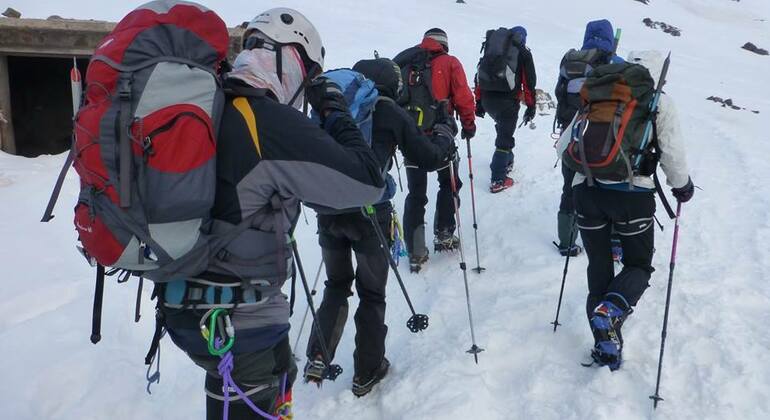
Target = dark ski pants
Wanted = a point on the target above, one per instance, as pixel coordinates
(340, 236)
(567, 203)
(503, 107)
(259, 374)
(417, 199)
(631, 215)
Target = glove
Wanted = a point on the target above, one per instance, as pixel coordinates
(468, 132)
(443, 118)
(684, 194)
(325, 97)
(445, 132)
(480, 111)
(529, 114)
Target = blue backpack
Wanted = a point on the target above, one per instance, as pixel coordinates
(361, 97)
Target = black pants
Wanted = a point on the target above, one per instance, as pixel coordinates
(339, 237)
(417, 199)
(567, 203)
(259, 374)
(504, 109)
(631, 215)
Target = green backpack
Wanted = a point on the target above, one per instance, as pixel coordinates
(609, 134)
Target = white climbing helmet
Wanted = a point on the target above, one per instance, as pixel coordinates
(288, 26)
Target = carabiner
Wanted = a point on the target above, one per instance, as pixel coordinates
(209, 334)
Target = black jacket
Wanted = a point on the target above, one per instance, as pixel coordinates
(393, 127)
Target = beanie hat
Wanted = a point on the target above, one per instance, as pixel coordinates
(439, 36)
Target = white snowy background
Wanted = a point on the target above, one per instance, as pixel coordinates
(716, 366)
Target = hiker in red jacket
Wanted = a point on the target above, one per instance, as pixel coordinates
(447, 83)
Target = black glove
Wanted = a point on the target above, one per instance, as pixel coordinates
(529, 114)
(468, 132)
(684, 194)
(446, 133)
(443, 118)
(480, 111)
(444, 130)
(325, 97)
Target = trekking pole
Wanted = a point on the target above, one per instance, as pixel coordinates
(417, 322)
(564, 276)
(332, 371)
(656, 397)
(474, 350)
(312, 293)
(479, 269)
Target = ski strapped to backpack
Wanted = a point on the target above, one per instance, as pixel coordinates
(497, 67)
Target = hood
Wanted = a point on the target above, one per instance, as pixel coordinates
(652, 60)
(600, 35)
(521, 33)
(431, 45)
(385, 74)
(257, 68)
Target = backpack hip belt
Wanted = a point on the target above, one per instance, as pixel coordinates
(196, 293)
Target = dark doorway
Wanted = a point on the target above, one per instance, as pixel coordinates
(41, 103)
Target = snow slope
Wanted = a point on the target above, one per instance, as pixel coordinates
(716, 362)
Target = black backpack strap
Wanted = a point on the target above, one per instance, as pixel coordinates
(658, 186)
(96, 315)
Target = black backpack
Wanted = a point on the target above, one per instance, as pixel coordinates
(573, 70)
(497, 67)
(417, 95)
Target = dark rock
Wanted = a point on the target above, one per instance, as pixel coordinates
(753, 48)
(666, 28)
(727, 103)
(644, 1)
(54, 17)
(12, 13)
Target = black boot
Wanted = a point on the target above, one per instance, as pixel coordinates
(444, 240)
(363, 384)
(567, 236)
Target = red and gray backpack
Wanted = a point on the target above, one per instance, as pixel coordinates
(144, 142)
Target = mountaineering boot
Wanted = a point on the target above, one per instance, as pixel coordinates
(617, 250)
(567, 236)
(606, 321)
(509, 166)
(416, 262)
(498, 186)
(362, 385)
(444, 240)
(315, 370)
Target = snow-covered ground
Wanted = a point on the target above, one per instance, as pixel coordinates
(716, 364)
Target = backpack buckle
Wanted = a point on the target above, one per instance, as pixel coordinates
(124, 87)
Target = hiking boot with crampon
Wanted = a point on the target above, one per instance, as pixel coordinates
(315, 370)
(362, 385)
(606, 321)
(572, 251)
(445, 241)
(416, 262)
(498, 186)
